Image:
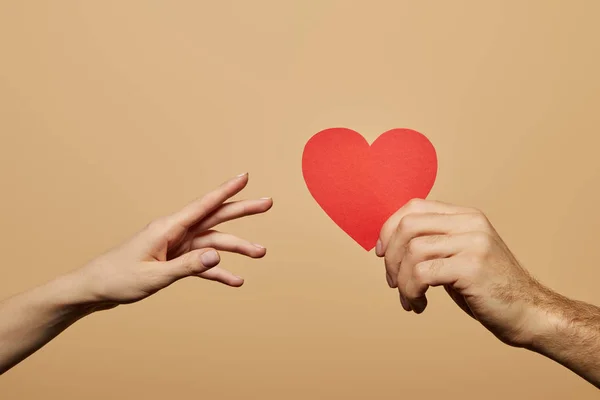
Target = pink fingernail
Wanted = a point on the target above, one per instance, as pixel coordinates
(378, 247)
(210, 259)
(389, 281)
(404, 303)
(259, 246)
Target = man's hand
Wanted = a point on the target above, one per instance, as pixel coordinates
(174, 247)
(428, 243)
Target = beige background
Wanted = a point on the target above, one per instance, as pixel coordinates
(114, 112)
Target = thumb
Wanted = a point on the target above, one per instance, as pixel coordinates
(192, 263)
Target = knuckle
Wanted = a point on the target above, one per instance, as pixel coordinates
(158, 224)
(482, 242)
(416, 246)
(192, 262)
(410, 249)
(474, 264)
(480, 220)
(406, 224)
(429, 269)
(421, 272)
(235, 208)
(388, 227)
(415, 204)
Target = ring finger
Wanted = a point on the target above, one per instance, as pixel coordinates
(222, 275)
(227, 242)
(425, 248)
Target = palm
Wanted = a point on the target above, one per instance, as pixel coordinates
(180, 244)
(167, 243)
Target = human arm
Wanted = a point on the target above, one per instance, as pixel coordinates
(170, 248)
(428, 243)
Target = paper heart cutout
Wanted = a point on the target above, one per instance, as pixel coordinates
(359, 186)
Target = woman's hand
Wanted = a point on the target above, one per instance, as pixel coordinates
(173, 247)
(168, 249)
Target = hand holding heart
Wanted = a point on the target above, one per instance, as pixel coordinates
(424, 243)
(429, 243)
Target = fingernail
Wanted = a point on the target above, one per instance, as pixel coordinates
(389, 280)
(404, 303)
(265, 198)
(378, 247)
(241, 175)
(259, 246)
(210, 259)
(419, 305)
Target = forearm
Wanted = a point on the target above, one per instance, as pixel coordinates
(30, 320)
(571, 336)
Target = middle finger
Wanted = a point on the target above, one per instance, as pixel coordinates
(233, 210)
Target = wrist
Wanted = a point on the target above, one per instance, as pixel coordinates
(549, 320)
(70, 295)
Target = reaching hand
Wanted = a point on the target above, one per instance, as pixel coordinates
(173, 247)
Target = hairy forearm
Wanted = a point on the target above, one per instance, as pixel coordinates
(30, 320)
(571, 336)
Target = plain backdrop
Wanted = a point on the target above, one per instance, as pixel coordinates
(114, 112)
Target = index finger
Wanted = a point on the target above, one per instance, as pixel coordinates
(199, 209)
(414, 206)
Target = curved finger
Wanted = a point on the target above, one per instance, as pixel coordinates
(234, 210)
(189, 264)
(426, 274)
(421, 249)
(446, 272)
(417, 251)
(222, 275)
(440, 271)
(199, 209)
(429, 247)
(415, 206)
(227, 242)
(405, 304)
(403, 246)
(419, 225)
(401, 256)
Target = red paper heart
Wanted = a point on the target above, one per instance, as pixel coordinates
(360, 186)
